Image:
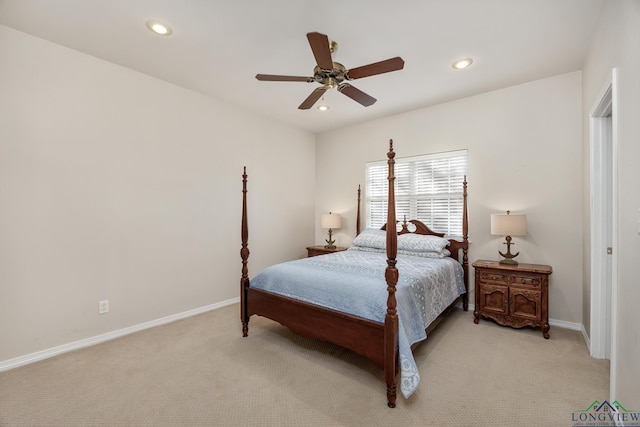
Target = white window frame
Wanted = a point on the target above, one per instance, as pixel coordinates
(428, 188)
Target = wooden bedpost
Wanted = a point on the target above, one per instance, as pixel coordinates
(465, 247)
(244, 254)
(391, 275)
(358, 214)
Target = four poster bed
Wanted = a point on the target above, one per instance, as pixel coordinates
(356, 300)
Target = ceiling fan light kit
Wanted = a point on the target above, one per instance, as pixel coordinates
(333, 74)
(323, 106)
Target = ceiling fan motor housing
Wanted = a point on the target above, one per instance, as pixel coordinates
(330, 78)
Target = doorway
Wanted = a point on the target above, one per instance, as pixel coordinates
(603, 213)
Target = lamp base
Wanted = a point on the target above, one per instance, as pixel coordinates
(330, 242)
(508, 257)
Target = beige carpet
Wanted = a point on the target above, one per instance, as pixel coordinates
(201, 372)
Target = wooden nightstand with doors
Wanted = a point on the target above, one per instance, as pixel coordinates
(513, 295)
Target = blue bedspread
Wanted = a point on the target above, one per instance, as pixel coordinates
(353, 282)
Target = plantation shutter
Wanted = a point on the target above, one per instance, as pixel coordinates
(428, 188)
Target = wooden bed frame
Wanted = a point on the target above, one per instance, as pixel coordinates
(374, 340)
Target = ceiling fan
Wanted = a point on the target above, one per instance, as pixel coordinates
(333, 74)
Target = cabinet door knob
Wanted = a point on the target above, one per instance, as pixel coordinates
(494, 278)
(523, 280)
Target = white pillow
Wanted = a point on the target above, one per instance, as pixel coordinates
(371, 238)
(421, 243)
(366, 249)
(443, 254)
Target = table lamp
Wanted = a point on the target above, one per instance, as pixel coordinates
(509, 225)
(330, 221)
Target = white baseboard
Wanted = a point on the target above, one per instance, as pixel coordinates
(54, 351)
(566, 325)
(5, 365)
(586, 338)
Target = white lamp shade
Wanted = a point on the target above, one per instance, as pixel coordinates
(330, 220)
(509, 224)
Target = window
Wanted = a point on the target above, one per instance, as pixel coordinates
(428, 188)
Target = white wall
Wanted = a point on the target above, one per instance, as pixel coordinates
(524, 147)
(115, 185)
(617, 44)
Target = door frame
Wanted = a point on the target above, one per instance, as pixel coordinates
(604, 226)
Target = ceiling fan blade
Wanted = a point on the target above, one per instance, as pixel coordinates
(311, 99)
(381, 67)
(356, 94)
(321, 50)
(277, 78)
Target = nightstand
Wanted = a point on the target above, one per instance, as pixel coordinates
(513, 295)
(321, 250)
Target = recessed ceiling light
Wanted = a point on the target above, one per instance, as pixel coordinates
(461, 64)
(159, 28)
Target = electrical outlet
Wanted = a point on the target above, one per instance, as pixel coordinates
(103, 306)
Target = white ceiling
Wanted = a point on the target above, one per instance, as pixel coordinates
(217, 47)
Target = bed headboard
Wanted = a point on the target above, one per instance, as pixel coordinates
(420, 228)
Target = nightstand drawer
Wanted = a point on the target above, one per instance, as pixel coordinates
(524, 280)
(492, 277)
